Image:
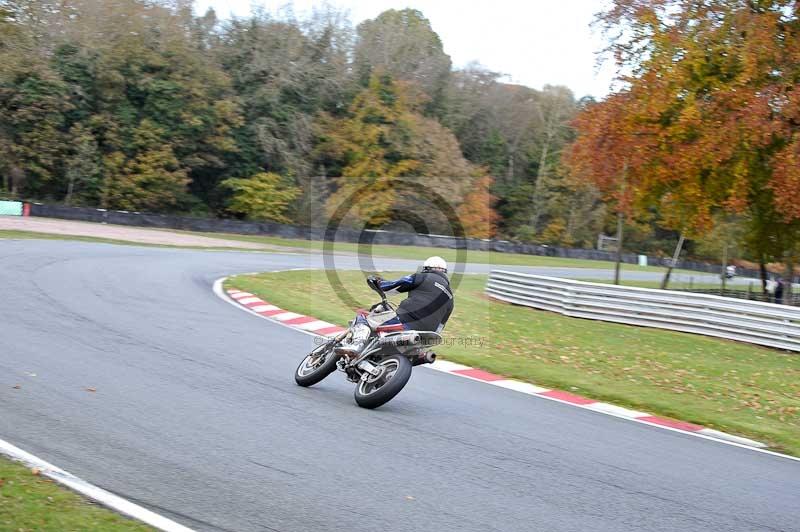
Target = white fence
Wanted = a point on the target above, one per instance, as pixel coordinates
(746, 321)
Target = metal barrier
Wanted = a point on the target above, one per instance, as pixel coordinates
(745, 321)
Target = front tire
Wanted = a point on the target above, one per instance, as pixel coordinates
(396, 370)
(317, 365)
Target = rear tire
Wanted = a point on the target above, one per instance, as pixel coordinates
(316, 366)
(375, 394)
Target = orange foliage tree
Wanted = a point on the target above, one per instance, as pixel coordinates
(709, 117)
(476, 213)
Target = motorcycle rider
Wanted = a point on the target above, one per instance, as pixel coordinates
(427, 307)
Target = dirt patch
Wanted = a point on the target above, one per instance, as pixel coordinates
(121, 232)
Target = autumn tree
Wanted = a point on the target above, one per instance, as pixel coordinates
(384, 139)
(369, 145)
(714, 84)
(476, 213)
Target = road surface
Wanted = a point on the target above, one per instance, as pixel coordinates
(196, 416)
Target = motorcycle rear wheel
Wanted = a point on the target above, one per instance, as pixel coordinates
(316, 366)
(396, 370)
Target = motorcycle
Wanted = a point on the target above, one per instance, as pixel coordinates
(384, 365)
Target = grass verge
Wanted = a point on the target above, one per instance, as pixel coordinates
(733, 387)
(32, 503)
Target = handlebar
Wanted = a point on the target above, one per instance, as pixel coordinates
(374, 282)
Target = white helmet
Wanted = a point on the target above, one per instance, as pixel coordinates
(435, 263)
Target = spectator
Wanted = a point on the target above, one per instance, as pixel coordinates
(779, 291)
(770, 287)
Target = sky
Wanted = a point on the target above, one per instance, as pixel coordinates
(533, 42)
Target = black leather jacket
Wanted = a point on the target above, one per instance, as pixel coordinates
(430, 300)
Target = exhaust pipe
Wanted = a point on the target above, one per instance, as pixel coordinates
(428, 357)
(400, 339)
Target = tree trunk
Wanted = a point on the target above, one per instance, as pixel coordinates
(537, 187)
(724, 273)
(762, 266)
(16, 178)
(620, 219)
(789, 277)
(618, 262)
(675, 256)
(70, 187)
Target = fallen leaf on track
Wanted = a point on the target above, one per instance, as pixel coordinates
(91, 390)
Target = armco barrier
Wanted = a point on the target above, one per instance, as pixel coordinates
(746, 321)
(368, 236)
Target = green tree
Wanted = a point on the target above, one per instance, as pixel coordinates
(150, 180)
(83, 168)
(402, 43)
(284, 77)
(32, 104)
(265, 196)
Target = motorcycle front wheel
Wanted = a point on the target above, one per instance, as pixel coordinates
(320, 363)
(378, 390)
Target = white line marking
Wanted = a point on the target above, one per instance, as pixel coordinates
(239, 295)
(446, 365)
(288, 316)
(730, 437)
(607, 408)
(314, 325)
(247, 300)
(519, 386)
(91, 491)
(264, 308)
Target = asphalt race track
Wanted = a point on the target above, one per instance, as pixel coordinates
(196, 416)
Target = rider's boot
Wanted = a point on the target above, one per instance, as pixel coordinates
(356, 344)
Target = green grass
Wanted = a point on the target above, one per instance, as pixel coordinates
(33, 503)
(733, 387)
